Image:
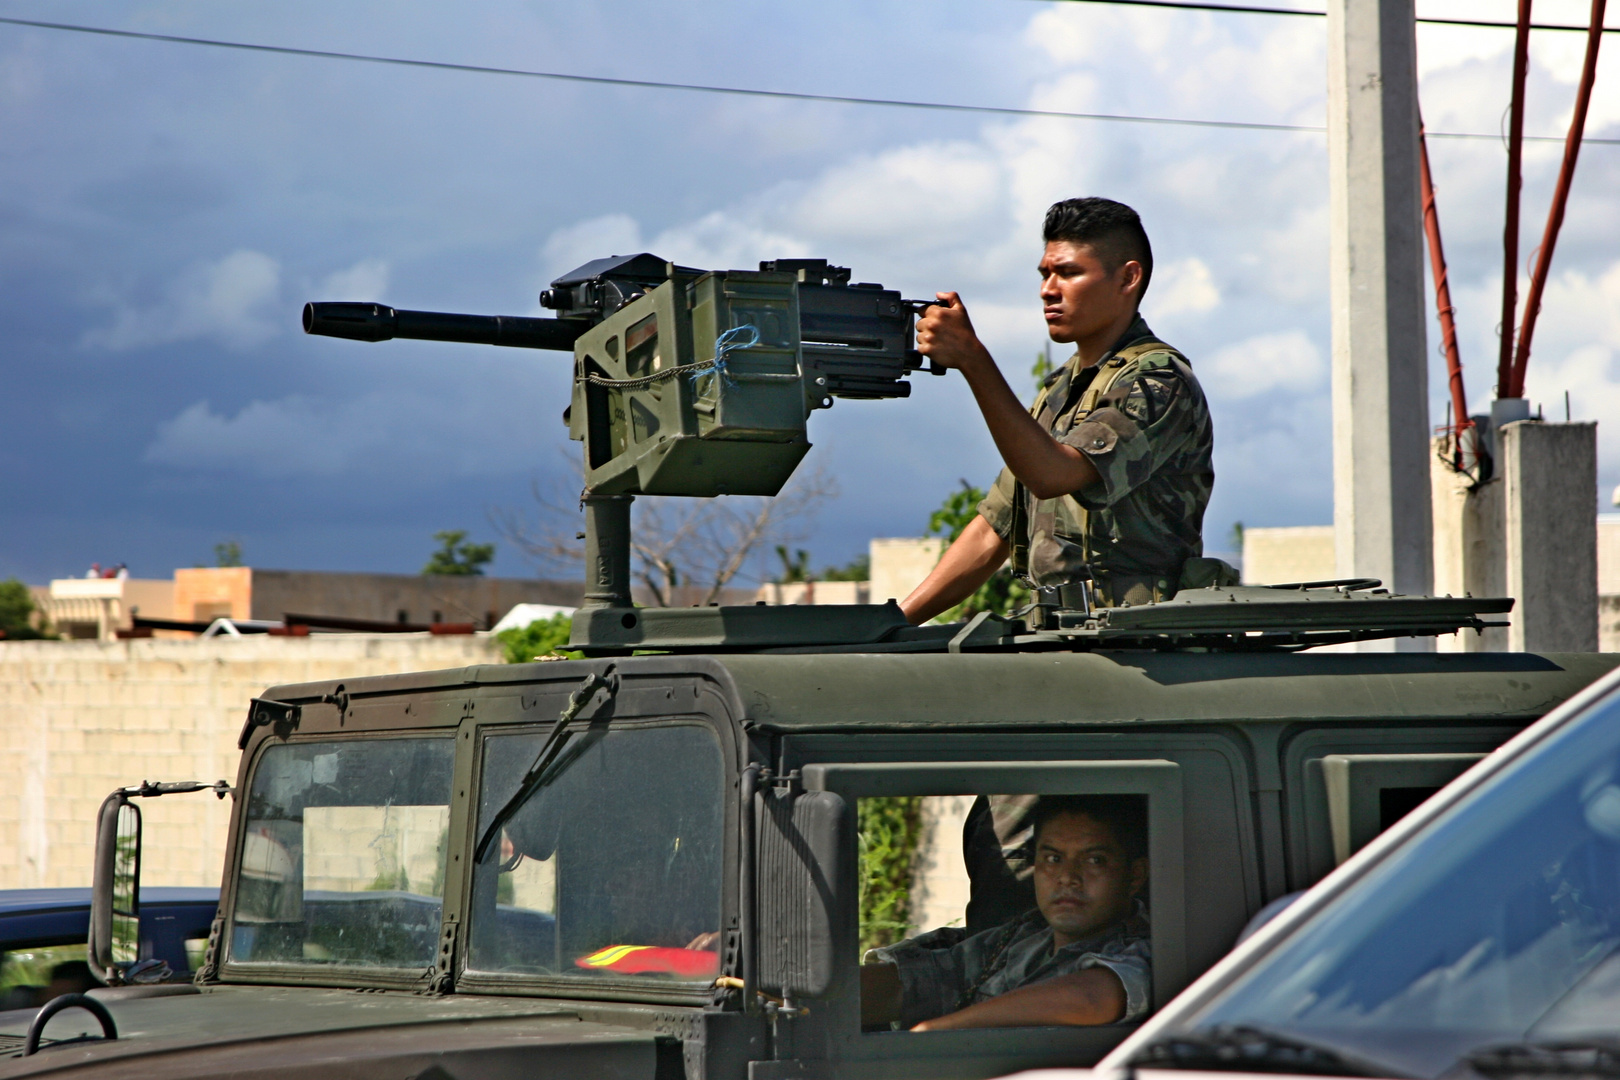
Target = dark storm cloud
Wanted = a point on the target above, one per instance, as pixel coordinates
(165, 211)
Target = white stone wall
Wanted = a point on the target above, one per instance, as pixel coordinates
(899, 565)
(939, 882)
(79, 718)
(1276, 555)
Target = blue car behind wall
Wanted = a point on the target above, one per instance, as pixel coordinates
(34, 919)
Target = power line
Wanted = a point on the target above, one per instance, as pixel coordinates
(790, 95)
(1248, 9)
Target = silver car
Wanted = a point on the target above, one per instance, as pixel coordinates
(1480, 937)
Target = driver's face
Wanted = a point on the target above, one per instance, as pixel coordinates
(1084, 882)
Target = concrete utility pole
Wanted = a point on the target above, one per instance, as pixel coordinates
(1549, 474)
(1381, 500)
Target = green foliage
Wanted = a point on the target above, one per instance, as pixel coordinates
(457, 556)
(540, 638)
(1042, 368)
(956, 512)
(32, 966)
(795, 568)
(228, 553)
(857, 569)
(16, 609)
(1237, 537)
(1003, 593)
(890, 829)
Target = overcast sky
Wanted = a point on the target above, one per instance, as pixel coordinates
(166, 209)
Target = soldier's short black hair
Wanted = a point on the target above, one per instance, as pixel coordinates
(1112, 229)
(1124, 815)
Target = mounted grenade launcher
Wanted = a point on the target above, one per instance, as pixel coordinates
(700, 383)
(688, 382)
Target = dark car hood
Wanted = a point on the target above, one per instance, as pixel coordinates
(245, 1031)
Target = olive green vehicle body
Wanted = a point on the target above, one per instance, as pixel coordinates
(1250, 762)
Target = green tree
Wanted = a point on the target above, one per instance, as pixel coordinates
(889, 830)
(1003, 593)
(543, 637)
(857, 569)
(16, 611)
(1237, 537)
(1043, 367)
(228, 553)
(458, 556)
(955, 513)
(795, 567)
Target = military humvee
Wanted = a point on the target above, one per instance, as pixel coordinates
(361, 935)
(648, 863)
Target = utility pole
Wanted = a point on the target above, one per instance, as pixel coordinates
(1381, 500)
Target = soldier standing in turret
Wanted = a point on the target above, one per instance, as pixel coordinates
(1106, 480)
(1107, 475)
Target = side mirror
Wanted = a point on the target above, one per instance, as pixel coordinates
(115, 895)
(802, 890)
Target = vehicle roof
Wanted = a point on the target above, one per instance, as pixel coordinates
(871, 691)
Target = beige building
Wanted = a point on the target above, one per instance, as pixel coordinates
(80, 718)
(898, 565)
(97, 608)
(1272, 556)
(1276, 556)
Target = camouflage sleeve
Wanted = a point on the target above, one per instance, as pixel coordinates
(997, 507)
(1132, 962)
(931, 976)
(1142, 422)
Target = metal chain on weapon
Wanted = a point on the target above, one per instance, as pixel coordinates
(724, 346)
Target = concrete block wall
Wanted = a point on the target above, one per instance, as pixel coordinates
(80, 718)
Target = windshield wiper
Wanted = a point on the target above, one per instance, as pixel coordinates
(556, 738)
(1572, 1057)
(1244, 1048)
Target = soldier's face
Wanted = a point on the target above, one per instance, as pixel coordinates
(1084, 882)
(1079, 297)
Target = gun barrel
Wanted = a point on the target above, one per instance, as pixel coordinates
(378, 322)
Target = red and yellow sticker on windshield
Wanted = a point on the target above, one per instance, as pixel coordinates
(653, 960)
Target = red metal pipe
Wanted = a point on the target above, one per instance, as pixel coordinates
(1515, 180)
(1555, 216)
(1442, 292)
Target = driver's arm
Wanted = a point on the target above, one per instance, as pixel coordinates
(1092, 996)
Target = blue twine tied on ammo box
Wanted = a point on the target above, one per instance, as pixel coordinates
(745, 336)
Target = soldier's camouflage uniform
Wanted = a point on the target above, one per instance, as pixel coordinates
(949, 969)
(1140, 417)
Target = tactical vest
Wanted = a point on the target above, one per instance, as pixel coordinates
(1051, 538)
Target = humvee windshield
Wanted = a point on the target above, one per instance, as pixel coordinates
(343, 854)
(1492, 939)
(611, 867)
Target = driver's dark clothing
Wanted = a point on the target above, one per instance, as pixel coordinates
(948, 969)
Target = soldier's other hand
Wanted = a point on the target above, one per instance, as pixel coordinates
(945, 334)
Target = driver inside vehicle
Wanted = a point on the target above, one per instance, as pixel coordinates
(1082, 956)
